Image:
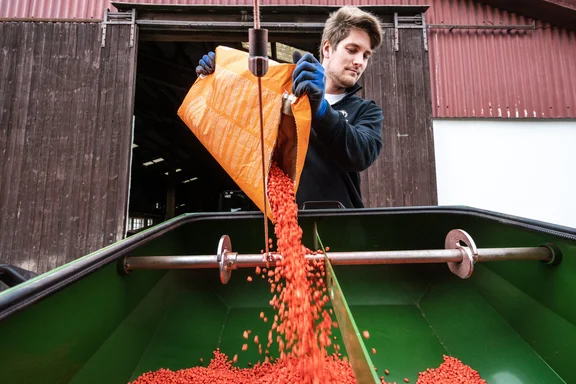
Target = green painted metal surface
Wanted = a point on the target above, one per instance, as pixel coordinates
(512, 321)
(356, 349)
(51, 341)
(472, 330)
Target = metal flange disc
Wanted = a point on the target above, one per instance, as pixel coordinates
(224, 246)
(469, 252)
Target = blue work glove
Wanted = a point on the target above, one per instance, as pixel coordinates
(308, 78)
(206, 65)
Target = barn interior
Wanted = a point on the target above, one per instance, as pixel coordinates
(172, 172)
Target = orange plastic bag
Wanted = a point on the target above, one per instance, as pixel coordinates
(222, 110)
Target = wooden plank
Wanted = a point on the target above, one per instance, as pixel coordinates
(8, 32)
(56, 128)
(392, 170)
(365, 185)
(68, 142)
(102, 148)
(113, 105)
(90, 120)
(123, 147)
(97, 146)
(14, 159)
(47, 81)
(126, 144)
(8, 58)
(373, 80)
(406, 135)
(21, 242)
(84, 64)
(121, 138)
(427, 193)
(383, 174)
(422, 171)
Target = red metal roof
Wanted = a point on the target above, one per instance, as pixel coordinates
(474, 73)
(561, 13)
(53, 9)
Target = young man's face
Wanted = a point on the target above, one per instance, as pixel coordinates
(345, 63)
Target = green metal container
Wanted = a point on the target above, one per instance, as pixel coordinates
(513, 321)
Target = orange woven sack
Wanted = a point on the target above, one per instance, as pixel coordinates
(222, 110)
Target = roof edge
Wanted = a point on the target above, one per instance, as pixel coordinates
(560, 13)
(264, 9)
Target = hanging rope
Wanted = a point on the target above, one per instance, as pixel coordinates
(256, 14)
(258, 64)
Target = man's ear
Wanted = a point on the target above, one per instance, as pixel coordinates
(326, 49)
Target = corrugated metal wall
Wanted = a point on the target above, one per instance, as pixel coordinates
(65, 118)
(404, 174)
(494, 73)
(474, 73)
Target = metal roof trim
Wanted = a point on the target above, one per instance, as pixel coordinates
(49, 20)
(265, 8)
(558, 13)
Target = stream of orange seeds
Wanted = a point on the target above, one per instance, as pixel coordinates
(303, 324)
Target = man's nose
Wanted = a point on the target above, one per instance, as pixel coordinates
(358, 60)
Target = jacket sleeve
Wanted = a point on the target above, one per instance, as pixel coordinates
(354, 147)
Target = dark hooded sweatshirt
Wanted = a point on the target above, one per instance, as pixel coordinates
(346, 141)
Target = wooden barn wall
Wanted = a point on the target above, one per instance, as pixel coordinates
(65, 137)
(399, 81)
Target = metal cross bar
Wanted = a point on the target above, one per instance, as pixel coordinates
(340, 258)
(460, 254)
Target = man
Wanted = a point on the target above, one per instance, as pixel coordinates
(346, 135)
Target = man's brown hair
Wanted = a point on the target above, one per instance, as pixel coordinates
(340, 23)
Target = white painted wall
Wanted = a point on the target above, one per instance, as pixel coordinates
(522, 168)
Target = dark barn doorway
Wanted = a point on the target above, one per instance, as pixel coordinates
(171, 171)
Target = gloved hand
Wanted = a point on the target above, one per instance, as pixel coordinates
(206, 65)
(309, 78)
